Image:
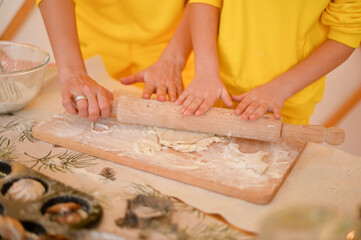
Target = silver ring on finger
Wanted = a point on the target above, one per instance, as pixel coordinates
(80, 97)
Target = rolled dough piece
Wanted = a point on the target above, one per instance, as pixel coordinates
(185, 141)
(182, 141)
(148, 144)
(252, 161)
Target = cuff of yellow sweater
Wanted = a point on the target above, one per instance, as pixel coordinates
(350, 39)
(215, 3)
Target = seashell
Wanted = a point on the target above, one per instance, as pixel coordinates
(66, 213)
(11, 228)
(26, 190)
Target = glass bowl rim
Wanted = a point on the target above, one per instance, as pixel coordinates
(46, 61)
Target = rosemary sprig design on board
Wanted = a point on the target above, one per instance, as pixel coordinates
(62, 162)
(7, 148)
(9, 126)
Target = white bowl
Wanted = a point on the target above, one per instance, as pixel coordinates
(25, 69)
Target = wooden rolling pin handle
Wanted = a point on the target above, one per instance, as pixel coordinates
(313, 133)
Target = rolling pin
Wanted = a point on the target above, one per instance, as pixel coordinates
(219, 121)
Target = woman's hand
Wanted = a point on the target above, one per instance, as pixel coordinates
(97, 102)
(163, 77)
(201, 94)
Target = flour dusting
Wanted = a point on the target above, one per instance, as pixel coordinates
(223, 162)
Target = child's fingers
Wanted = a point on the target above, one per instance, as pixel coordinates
(137, 77)
(161, 92)
(193, 106)
(181, 98)
(148, 89)
(187, 102)
(241, 106)
(172, 92)
(205, 106)
(179, 86)
(226, 98)
(238, 98)
(260, 111)
(277, 112)
(249, 110)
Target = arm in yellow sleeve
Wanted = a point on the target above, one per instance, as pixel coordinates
(344, 19)
(59, 19)
(272, 95)
(206, 87)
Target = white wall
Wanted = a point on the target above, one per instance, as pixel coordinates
(340, 83)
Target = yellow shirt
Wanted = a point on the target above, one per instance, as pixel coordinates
(129, 35)
(259, 40)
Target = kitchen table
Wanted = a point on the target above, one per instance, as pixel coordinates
(322, 177)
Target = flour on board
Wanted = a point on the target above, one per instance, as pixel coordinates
(182, 141)
(223, 162)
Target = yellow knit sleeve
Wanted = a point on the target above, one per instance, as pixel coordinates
(344, 19)
(216, 3)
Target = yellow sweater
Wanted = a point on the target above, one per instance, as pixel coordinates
(259, 40)
(129, 35)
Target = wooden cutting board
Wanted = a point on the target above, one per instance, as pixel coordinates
(212, 169)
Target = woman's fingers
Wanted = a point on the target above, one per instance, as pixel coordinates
(68, 103)
(82, 106)
(93, 107)
(104, 99)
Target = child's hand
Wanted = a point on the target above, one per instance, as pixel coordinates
(162, 77)
(97, 102)
(255, 103)
(201, 94)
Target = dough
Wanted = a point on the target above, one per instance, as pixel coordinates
(182, 141)
(148, 144)
(185, 141)
(252, 161)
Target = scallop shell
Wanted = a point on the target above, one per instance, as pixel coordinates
(26, 190)
(11, 229)
(66, 213)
